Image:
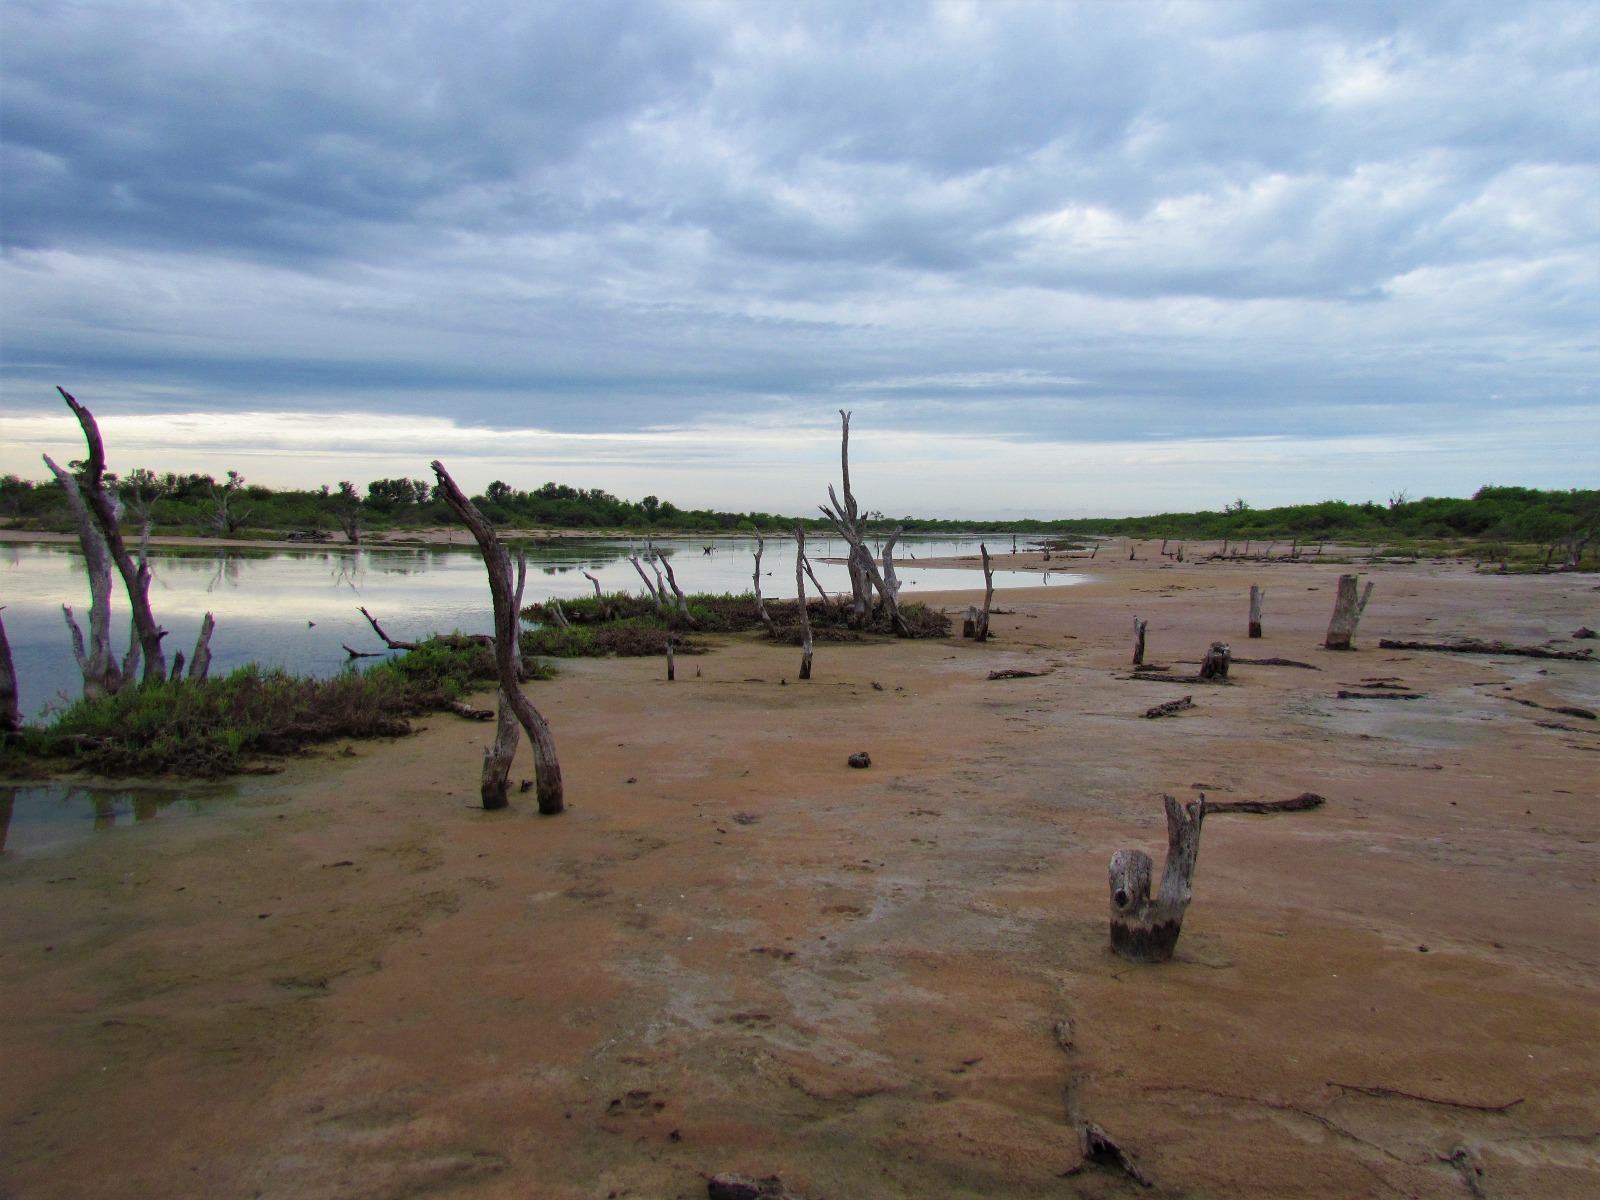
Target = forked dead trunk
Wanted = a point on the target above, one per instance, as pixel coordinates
(1145, 929)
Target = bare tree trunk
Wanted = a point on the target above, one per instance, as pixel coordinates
(10, 713)
(560, 617)
(982, 632)
(1147, 930)
(800, 587)
(655, 593)
(755, 579)
(200, 664)
(889, 580)
(97, 663)
(1216, 662)
(827, 601)
(494, 785)
(136, 578)
(508, 658)
(605, 609)
(672, 663)
(683, 601)
(969, 623)
(1347, 610)
(1257, 596)
(1138, 641)
(847, 519)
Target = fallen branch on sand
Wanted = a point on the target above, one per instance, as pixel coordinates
(1304, 802)
(1478, 646)
(1169, 709)
(1099, 1149)
(1017, 674)
(1397, 1093)
(1276, 662)
(470, 713)
(1167, 677)
(1566, 710)
(729, 1186)
(1345, 694)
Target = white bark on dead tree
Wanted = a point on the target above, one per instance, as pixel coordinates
(508, 660)
(828, 604)
(200, 664)
(755, 581)
(981, 633)
(683, 601)
(135, 577)
(847, 519)
(891, 583)
(1145, 929)
(96, 662)
(1258, 596)
(1347, 610)
(655, 593)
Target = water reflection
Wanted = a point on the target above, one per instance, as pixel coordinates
(297, 609)
(48, 817)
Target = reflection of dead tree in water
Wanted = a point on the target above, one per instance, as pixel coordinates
(851, 523)
(515, 708)
(227, 564)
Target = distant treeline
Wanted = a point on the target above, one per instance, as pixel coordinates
(188, 503)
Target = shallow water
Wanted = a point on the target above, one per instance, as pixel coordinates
(297, 609)
(50, 817)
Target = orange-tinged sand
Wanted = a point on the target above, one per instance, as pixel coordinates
(735, 953)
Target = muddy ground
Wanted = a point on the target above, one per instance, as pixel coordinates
(734, 952)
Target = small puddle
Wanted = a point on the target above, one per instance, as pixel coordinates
(53, 816)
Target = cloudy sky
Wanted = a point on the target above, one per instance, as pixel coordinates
(1057, 258)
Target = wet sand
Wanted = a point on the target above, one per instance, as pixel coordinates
(733, 952)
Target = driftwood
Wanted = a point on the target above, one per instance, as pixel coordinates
(800, 587)
(1348, 606)
(755, 581)
(1346, 694)
(515, 708)
(1566, 710)
(1145, 929)
(387, 640)
(1214, 667)
(472, 714)
(1100, 1150)
(1257, 596)
(135, 577)
(1274, 662)
(1304, 802)
(1138, 641)
(1170, 709)
(10, 714)
(729, 1186)
(1477, 646)
(1017, 674)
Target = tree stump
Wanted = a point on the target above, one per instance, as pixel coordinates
(672, 664)
(1347, 610)
(1257, 595)
(1146, 930)
(1138, 641)
(1214, 666)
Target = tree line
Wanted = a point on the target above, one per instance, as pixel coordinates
(171, 502)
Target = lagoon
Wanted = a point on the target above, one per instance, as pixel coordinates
(297, 609)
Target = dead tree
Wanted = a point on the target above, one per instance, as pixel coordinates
(683, 601)
(891, 583)
(387, 640)
(98, 664)
(559, 617)
(135, 577)
(1145, 929)
(1138, 641)
(200, 664)
(655, 593)
(800, 588)
(515, 708)
(1214, 666)
(1257, 596)
(1347, 610)
(828, 605)
(851, 523)
(10, 713)
(980, 631)
(600, 600)
(755, 581)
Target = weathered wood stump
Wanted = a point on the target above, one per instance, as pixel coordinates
(1146, 930)
(1214, 666)
(1257, 595)
(1347, 609)
(1138, 641)
(672, 663)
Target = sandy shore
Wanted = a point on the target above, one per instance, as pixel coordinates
(736, 953)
